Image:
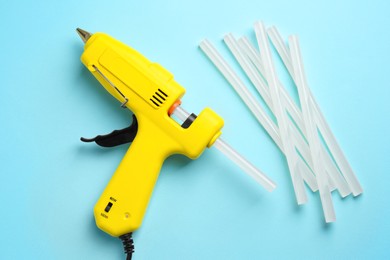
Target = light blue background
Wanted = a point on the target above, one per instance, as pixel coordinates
(205, 209)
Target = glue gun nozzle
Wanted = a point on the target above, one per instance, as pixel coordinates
(84, 35)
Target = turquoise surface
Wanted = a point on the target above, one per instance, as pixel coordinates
(203, 209)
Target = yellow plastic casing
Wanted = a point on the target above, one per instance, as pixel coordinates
(151, 91)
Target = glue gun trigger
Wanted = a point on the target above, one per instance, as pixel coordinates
(116, 137)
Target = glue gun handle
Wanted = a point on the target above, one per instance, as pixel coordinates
(122, 205)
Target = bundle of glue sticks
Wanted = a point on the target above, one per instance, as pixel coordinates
(318, 162)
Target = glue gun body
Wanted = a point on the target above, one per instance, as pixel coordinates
(151, 93)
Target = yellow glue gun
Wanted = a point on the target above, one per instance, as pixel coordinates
(151, 93)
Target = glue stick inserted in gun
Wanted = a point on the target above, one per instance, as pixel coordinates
(151, 93)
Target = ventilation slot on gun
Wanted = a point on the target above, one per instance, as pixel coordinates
(159, 98)
(162, 92)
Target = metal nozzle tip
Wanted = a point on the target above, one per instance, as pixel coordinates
(84, 35)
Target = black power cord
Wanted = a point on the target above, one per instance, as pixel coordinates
(128, 244)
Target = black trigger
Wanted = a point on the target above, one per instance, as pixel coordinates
(116, 137)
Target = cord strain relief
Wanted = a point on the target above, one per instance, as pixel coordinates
(128, 243)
